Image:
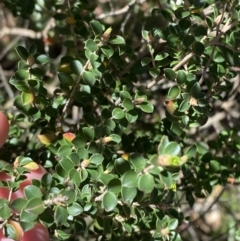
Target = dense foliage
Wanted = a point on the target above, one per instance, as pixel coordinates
(127, 105)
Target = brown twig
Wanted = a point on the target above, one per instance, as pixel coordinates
(28, 32)
(120, 11)
(214, 46)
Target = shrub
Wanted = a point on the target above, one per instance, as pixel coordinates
(114, 105)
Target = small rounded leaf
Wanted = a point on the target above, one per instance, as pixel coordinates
(130, 179)
(181, 77)
(76, 67)
(173, 92)
(146, 183)
(22, 52)
(109, 201)
(198, 48)
(89, 78)
(170, 74)
(42, 59)
(117, 113)
(128, 193)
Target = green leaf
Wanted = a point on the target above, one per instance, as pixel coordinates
(42, 59)
(215, 165)
(96, 159)
(127, 104)
(114, 185)
(170, 163)
(131, 116)
(91, 45)
(106, 178)
(163, 143)
(161, 56)
(200, 31)
(108, 51)
(146, 107)
(97, 27)
(65, 79)
(10, 232)
(172, 225)
(237, 235)
(60, 216)
(109, 201)
(88, 133)
(218, 57)
(22, 52)
(27, 216)
(128, 194)
(138, 161)
(18, 204)
(116, 138)
(27, 98)
(188, 41)
(75, 209)
(181, 13)
(76, 67)
(61, 235)
(125, 95)
(21, 85)
(64, 150)
(191, 151)
(67, 164)
(172, 148)
(181, 77)
(5, 212)
(196, 90)
(117, 113)
(173, 92)
(154, 72)
(121, 166)
(198, 48)
(75, 177)
(184, 106)
(170, 74)
(31, 191)
(118, 40)
(37, 72)
(22, 74)
(130, 179)
(145, 35)
(184, 23)
(89, 78)
(145, 61)
(34, 206)
(146, 183)
(33, 49)
(176, 128)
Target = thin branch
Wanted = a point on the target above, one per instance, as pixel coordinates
(225, 29)
(69, 101)
(214, 46)
(28, 32)
(120, 11)
(206, 211)
(125, 22)
(6, 84)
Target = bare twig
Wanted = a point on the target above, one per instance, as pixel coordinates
(214, 201)
(120, 11)
(28, 32)
(214, 46)
(6, 84)
(69, 101)
(125, 22)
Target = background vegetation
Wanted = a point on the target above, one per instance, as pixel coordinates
(133, 109)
